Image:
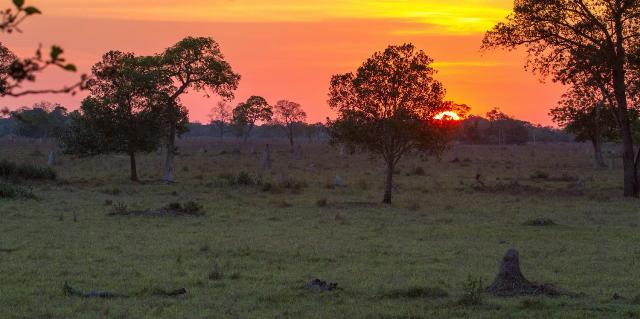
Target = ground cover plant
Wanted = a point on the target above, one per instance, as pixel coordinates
(252, 251)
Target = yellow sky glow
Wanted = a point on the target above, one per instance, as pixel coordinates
(462, 16)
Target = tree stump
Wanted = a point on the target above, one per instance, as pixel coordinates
(510, 282)
(52, 161)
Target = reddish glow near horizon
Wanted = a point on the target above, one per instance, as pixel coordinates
(448, 116)
(289, 49)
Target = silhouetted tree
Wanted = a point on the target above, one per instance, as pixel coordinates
(42, 120)
(565, 38)
(388, 106)
(248, 113)
(287, 114)
(123, 113)
(220, 117)
(584, 113)
(192, 64)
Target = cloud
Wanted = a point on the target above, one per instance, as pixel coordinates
(460, 17)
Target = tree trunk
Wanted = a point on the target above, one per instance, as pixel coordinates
(389, 183)
(597, 140)
(620, 90)
(628, 153)
(290, 133)
(169, 163)
(599, 163)
(134, 167)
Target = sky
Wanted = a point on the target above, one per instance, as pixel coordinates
(289, 49)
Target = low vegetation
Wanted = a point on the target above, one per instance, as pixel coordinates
(249, 253)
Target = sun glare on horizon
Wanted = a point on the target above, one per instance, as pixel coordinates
(448, 115)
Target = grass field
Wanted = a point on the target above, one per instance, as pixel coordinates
(252, 253)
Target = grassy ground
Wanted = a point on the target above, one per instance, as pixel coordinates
(257, 245)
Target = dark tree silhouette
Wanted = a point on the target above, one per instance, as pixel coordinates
(220, 117)
(123, 113)
(248, 113)
(287, 114)
(569, 38)
(584, 113)
(192, 64)
(388, 106)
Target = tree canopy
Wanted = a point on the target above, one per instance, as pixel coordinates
(123, 114)
(387, 107)
(591, 43)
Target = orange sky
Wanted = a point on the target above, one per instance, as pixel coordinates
(288, 49)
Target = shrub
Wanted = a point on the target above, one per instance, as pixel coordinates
(419, 292)
(473, 290)
(245, 179)
(322, 202)
(539, 175)
(216, 273)
(120, 209)
(8, 190)
(192, 208)
(418, 171)
(26, 171)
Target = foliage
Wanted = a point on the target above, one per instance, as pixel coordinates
(287, 114)
(15, 71)
(590, 44)
(220, 117)
(473, 290)
(9, 190)
(12, 170)
(388, 106)
(42, 120)
(123, 113)
(194, 63)
(247, 114)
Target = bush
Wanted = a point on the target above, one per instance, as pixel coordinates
(419, 292)
(8, 190)
(26, 171)
(120, 209)
(539, 175)
(322, 202)
(418, 171)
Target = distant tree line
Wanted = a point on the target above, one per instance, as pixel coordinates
(499, 128)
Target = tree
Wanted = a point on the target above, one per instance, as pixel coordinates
(123, 113)
(597, 39)
(220, 117)
(586, 115)
(287, 114)
(387, 107)
(248, 113)
(18, 71)
(192, 64)
(42, 120)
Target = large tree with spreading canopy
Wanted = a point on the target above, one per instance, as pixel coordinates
(387, 107)
(569, 39)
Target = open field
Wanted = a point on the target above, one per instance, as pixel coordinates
(252, 253)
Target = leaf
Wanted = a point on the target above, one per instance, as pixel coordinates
(70, 67)
(56, 51)
(32, 10)
(18, 3)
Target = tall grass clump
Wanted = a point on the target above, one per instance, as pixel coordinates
(11, 170)
(8, 190)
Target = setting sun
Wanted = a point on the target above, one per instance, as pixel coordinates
(448, 115)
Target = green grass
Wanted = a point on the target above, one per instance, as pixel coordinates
(253, 251)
